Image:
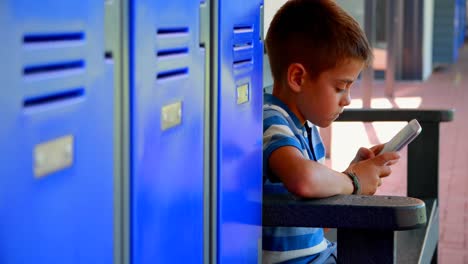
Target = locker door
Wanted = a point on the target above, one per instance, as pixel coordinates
(239, 131)
(56, 185)
(445, 28)
(167, 140)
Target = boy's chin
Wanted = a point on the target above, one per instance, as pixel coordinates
(325, 124)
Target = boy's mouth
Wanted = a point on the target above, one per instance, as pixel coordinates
(336, 116)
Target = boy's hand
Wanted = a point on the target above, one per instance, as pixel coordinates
(378, 148)
(365, 153)
(371, 170)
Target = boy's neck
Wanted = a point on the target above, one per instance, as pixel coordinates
(289, 99)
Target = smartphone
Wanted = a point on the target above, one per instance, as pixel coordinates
(403, 137)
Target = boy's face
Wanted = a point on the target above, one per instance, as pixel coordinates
(321, 100)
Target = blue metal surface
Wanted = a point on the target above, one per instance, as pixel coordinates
(55, 82)
(240, 132)
(456, 30)
(461, 22)
(446, 28)
(167, 66)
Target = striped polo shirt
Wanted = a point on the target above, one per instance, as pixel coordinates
(282, 128)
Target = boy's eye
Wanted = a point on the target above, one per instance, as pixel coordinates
(339, 89)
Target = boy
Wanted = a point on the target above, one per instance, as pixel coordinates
(316, 52)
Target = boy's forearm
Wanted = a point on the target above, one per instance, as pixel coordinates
(307, 178)
(319, 181)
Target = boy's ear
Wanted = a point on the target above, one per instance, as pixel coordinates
(296, 75)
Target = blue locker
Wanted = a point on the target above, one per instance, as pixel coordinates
(461, 22)
(446, 31)
(56, 116)
(167, 90)
(240, 100)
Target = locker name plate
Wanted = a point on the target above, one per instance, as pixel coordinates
(53, 155)
(243, 93)
(171, 115)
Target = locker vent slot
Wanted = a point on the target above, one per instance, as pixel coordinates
(54, 97)
(242, 63)
(54, 67)
(172, 52)
(172, 31)
(53, 37)
(243, 29)
(242, 46)
(108, 55)
(171, 74)
(242, 49)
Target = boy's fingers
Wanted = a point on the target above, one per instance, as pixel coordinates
(377, 148)
(380, 182)
(364, 153)
(386, 171)
(383, 159)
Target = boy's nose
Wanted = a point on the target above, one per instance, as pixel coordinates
(346, 99)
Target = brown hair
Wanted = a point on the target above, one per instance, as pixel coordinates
(316, 33)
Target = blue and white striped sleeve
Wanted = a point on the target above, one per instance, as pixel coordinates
(276, 133)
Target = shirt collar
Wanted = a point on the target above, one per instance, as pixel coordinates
(271, 99)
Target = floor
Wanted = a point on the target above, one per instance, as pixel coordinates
(447, 87)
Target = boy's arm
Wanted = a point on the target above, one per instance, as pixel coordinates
(307, 178)
(311, 179)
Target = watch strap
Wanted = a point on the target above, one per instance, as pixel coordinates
(355, 181)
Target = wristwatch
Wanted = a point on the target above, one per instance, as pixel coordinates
(355, 181)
